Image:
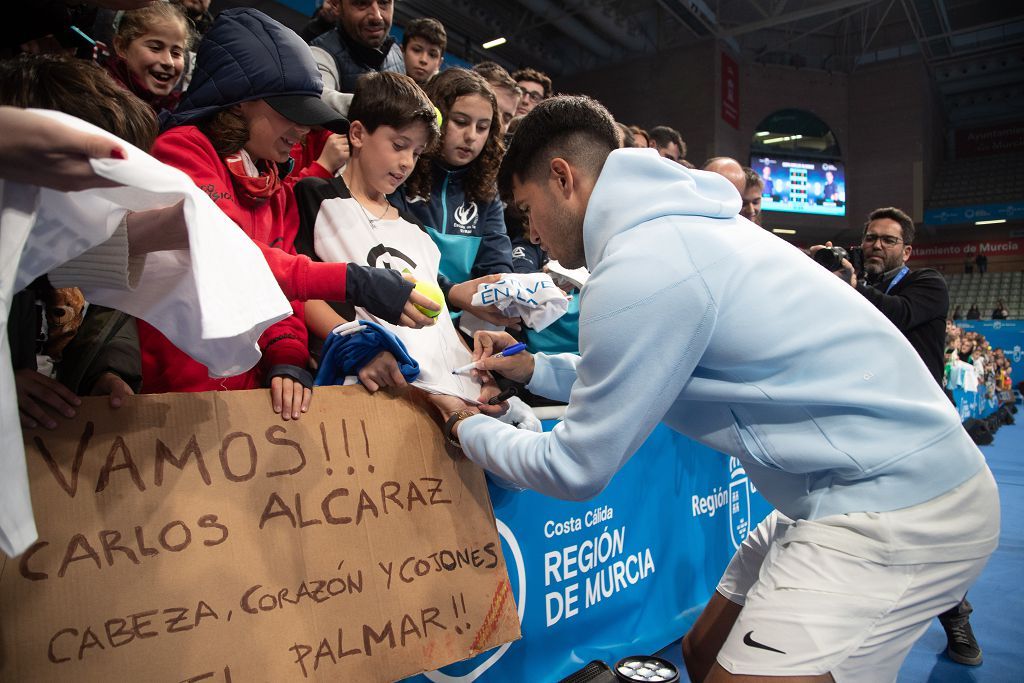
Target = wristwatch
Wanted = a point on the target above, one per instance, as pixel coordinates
(449, 425)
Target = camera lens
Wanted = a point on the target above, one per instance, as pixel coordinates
(831, 258)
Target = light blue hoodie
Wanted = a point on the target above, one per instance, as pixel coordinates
(695, 317)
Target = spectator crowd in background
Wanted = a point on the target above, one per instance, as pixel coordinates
(973, 365)
(130, 68)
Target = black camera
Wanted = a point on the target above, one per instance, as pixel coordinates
(831, 258)
(857, 260)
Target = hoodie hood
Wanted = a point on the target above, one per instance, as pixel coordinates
(638, 185)
(245, 56)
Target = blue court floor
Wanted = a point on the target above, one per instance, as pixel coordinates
(998, 618)
(998, 601)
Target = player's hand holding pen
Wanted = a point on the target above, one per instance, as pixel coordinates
(487, 355)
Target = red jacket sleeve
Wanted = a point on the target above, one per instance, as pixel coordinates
(305, 154)
(188, 150)
(286, 342)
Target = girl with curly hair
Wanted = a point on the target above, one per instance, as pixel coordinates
(453, 190)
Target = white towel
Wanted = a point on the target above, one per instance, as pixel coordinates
(534, 297)
(213, 301)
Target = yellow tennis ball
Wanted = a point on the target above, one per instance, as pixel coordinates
(432, 292)
(438, 117)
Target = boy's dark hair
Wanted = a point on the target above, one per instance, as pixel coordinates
(662, 135)
(444, 89)
(892, 213)
(79, 88)
(534, 76)
(497, 76)
(385, 98)
(430, 30)
(576, 128)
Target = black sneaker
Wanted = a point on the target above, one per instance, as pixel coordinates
(962, 647)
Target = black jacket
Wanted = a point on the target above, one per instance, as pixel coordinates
(917, 306)
(352, 59)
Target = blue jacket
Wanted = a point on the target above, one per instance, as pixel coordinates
(470, 235)
(695, 317)
(245, 56)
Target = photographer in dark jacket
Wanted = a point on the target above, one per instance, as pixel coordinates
(915, 301)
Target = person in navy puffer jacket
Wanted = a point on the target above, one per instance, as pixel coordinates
(254, 93)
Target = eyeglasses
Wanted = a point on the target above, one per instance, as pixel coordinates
(533, 95)
(887, 240)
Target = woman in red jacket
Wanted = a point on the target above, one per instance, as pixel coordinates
(255, 93)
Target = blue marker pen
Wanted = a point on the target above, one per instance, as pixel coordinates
(510, 351)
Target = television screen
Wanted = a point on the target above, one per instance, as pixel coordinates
(802, 185)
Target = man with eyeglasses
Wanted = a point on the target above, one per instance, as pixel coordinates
(916, 302)
(536, 87)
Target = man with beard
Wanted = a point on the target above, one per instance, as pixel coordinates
(691, 317)
(359, 44)
(915, 301)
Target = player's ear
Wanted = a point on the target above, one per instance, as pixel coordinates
(562, 177)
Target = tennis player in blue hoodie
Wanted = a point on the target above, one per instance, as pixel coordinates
(885, 510)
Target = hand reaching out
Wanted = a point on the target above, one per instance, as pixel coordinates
(38, 150)
(35, 392)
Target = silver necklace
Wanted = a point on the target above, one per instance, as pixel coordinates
(369, 218)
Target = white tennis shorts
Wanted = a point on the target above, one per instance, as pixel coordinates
(810, 608)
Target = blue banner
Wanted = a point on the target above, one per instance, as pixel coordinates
(625, 573)
(976, 404)
(1007, 335)
(952, 215)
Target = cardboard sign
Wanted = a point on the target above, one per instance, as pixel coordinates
(197, 537)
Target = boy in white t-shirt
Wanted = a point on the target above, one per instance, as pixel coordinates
(348, 219)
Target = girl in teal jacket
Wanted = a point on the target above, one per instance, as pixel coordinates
(453, 190)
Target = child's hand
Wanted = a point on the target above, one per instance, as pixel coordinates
(113, 386)
(335, 153)
(36, 390)
(381, 372)
(289, 398)
(461, 296)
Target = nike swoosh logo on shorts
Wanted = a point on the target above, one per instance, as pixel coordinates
(747, 640)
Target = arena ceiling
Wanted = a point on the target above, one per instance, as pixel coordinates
(975, 48)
